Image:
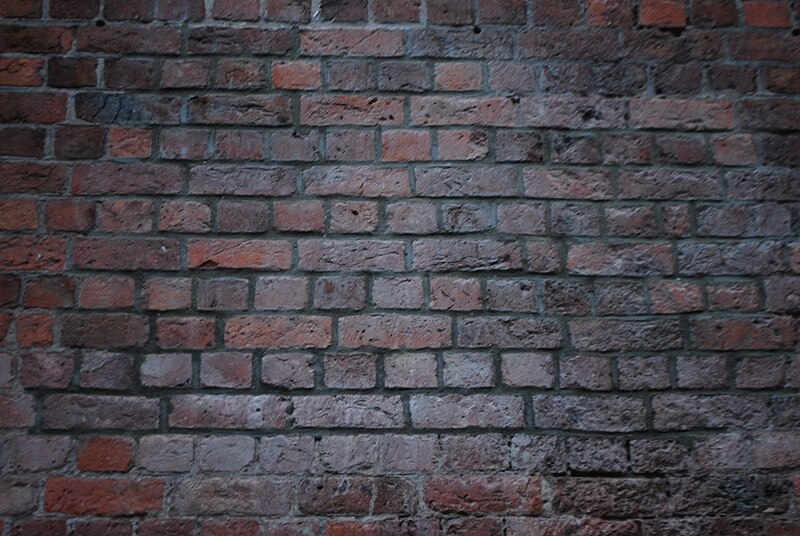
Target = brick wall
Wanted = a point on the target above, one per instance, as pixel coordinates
(420, 267)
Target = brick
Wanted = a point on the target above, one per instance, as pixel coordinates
(681, 412)
(350, 371)
(105, 370)
(397, 293)
(105, 454)
(231, 496)
(106, 292)
(356, 181)
(167, 294)
(458, 76)
(620, 259)
(410, 370)
(75, 411)
(767, 14)
(41, 453)
(96, 496)
(637, 373)
(462, 43)
(397, 10)
(18, 411)
(228, 454)
(296, 75)
(335, 495)
(441, 111)
(681, 114)
(232, 253)
(165, 453)
(226, 369)
(586, 372)
(348, 411)
(125, 253)
(405, 145)
(229, 10)
(21, 141)
(741, 257)
(701, 372)
(32, 178)
(473, 369)
(184, 144)
(325, 255)
(227, 411)
(286, 454)
(394, 331)
(484, 494)
(278, 332)
(354, 217)
(621, 298)
(35, 330)
(589, 413)
(21, 9)
(177, 527)
(463, 181)
(289, 370)
(350, 110)
(411, 217)
(22, 72)
(755, 333)
(597, 454)
(351, 42)
(466, 411)
(662, 13)
(166, 370)
(222, 294)
(484, 452)
(511, 295)
(603, 335)
(192, 333)
(110, 528)
(43, 108)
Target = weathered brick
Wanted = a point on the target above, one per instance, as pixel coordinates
(589, 413)
(231, 496)
(81, 412)
(277, 332)
(348, 411)
(467, 411)
(394, 331)
(484, 494)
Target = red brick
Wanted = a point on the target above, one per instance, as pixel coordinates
(238, 41)
(440, 111)
(681, 114)
(349, 411)
(175, 527)
(128, 39)
(34, 330)
(664, 13)
(610, 13)
(410, 370)
(126, 73)
(233, 253)
(184, 217)
(291, 370)
(349, 371)
(301, 74)
(278, 332)
(240, 74)
(338, 293)
(18, 215)
(44, 108)
(351, 42)
(325, 255)
(714, 12)
(166, 370)
(105, 454)
(458, 76)
(21, 141)
(226, 369)
(18, 411)
(394, 331)
(165, 453)
(46, 369)
(235, 10)
(71, 9)
(484, 494)
(185, 332)
(240, 180)
(298, 215)
(397, 10)
(295, 146)
(29, 9)
(102, 496)
(236, 496)
(767, 13)
(262, 110)
(130, 142)
(131, 215)
(23, 72)
(126, 253)
(356, 181)
(354, 217)
(52, 39)
(242, 217)
(406, 145)
(167, 294)
(757, 333)
(350, 110)
(39, 527)
(239, 145)
(103, 330)
(228, 411)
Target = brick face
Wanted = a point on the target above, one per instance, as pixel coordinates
(395, 267)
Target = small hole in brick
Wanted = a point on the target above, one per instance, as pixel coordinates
(796, 31)
(100, 23)
(476, 29)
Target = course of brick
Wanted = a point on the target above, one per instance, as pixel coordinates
(399, 267)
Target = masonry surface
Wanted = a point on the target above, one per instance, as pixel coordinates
(399, 267)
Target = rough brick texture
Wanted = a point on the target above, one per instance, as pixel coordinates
(400, 267)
